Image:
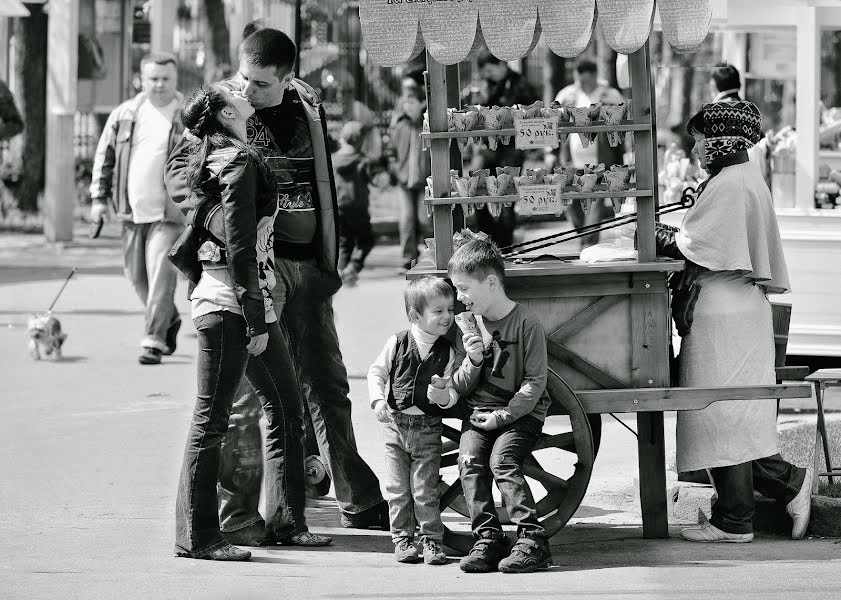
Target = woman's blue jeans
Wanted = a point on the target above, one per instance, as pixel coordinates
(222, 362)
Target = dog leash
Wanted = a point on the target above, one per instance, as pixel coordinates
(57, 296)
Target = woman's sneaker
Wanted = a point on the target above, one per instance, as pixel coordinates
(528, 555)
(709, 533)
(405, 551)
(800, 509)
(433, 552)
(486, 553)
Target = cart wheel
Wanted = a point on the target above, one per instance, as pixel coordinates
(563, 496)
(317, 482)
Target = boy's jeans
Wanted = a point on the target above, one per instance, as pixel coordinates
(222, 362)
(498, 455)
(412, 463)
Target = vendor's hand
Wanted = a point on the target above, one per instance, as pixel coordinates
(484, 420)
(98, 212)
(257, 345)
(439, 396)
(474, 347)
(381, 412)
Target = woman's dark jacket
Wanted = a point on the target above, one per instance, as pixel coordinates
(237, 183)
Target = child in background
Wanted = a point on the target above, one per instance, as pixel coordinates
(509, 406)
(414, 379)
(352, 171)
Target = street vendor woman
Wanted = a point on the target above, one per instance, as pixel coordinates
(734, 258)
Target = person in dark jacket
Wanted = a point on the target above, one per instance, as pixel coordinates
(352, 171)
(10, 122)
(501, 87)
(238, 334)
(289, 130)
(411, 167)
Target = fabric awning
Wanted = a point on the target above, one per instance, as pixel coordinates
(12, 8)
(397, 30)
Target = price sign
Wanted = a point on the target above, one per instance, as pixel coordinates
(536, 133)
(540, 200)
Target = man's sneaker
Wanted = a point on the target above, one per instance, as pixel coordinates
(405, 551)
(306, 538)
(150, 356)
(709, 533)
(375, 517)
(527, 556)
(227, 553)
(433, 553)
(800, 509)
(485, 555)
(172, 337)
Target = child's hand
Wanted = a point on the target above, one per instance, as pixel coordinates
(474, 347)
(436, 395)
(381, 412)
(484, 420)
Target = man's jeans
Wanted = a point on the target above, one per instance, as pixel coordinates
(222, 362)
(303, 301)
(145, 250)
(412, 463)
(772, 477)
(498, 455)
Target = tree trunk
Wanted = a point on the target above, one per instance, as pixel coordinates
(217, 62)
(30, 91)
(554, 75)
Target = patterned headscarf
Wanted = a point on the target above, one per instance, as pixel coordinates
(730, 127)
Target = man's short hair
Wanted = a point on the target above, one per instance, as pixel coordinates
(420, 292)
(585, 65)
(485, 57)
(726, 77)
(269, 48)
(252, 26)
(478, 259)
(159, 58)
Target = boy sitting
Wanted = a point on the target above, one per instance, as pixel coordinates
(409, 389)
(509, 406)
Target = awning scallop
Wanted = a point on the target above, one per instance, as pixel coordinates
(397, 30)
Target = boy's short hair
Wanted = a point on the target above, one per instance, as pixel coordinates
(269, 48)
(420, 292)
(585, 65)
(159, 58)
(478, 258)
(352, 133)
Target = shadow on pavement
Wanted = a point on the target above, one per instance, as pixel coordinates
(22, 274)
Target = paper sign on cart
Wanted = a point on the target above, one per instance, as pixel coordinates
(536, 133)
(540, 200)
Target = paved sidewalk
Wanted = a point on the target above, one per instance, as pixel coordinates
(91, 449)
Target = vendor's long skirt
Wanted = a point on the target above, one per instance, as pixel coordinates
(731, 344)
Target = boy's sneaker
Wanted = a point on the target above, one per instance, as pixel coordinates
(528, 555)
(405, 551)
(486, 553)
(433, 552)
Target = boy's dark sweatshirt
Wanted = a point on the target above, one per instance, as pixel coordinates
(352, 171)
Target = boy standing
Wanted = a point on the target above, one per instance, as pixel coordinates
(352, 173)
(409, 386)
(509, 406)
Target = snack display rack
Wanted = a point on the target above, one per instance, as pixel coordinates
(607, 324)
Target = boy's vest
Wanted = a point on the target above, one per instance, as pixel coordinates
(410, 376)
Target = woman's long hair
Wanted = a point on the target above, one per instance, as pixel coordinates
(199, 117)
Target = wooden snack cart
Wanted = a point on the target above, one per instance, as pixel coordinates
(608, 324)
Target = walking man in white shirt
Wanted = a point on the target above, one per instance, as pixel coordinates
(128, 172)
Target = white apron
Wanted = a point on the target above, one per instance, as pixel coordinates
(731, 344)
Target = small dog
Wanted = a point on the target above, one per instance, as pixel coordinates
(45, 335)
